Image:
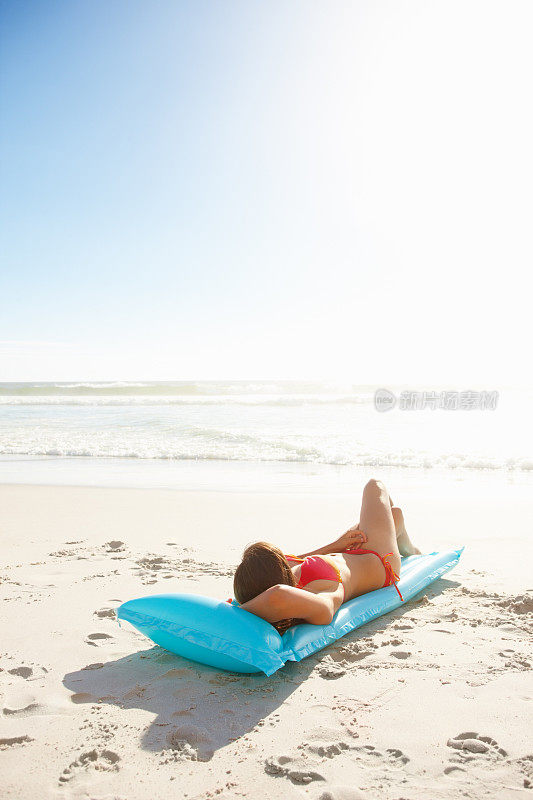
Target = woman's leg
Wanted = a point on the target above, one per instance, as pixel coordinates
(405, 545)
(377, 522)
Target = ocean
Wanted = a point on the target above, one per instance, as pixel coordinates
(154, 433)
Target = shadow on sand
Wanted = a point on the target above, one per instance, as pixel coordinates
(194, 706)
(198, 709)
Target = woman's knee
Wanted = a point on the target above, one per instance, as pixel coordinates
(375, 486)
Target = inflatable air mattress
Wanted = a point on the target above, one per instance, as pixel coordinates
(226, 636)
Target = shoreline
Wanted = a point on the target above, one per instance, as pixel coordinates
(241, 476)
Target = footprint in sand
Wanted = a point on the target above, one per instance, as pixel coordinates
(97, 639)
(14, 740)
(82, 697)
(115, 546)
(308, 766)
(22, 672)
(101, 760)
(396, 756)
(328, 750)
(105, 612)
(19, 702)
(296, 769)
(392, 755)
(190, 743)
(469, 744)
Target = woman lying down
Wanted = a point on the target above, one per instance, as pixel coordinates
(286, 589)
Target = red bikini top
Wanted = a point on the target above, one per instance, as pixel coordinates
(315, 568)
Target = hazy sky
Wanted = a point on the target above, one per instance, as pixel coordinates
(266, 189)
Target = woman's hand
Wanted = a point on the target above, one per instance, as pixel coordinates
(352, 539)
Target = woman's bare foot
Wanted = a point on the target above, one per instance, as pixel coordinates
(405, 545)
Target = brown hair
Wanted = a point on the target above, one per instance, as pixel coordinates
(263, 565)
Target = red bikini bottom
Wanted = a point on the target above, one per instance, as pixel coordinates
(391, 577)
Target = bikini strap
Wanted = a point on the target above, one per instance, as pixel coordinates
(295, 558)
(391, 575)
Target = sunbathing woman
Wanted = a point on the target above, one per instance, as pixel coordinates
(286, 589)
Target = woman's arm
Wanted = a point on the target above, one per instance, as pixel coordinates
(351, 538)
(320, 551)
(284, 602)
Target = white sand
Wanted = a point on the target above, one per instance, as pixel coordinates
(431, 701)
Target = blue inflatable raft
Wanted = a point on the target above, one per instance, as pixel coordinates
(226, 636)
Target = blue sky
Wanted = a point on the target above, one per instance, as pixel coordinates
(265, 189)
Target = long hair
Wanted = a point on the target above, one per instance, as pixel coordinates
(263, 565)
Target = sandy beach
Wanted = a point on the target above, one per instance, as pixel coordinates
(432, 700)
